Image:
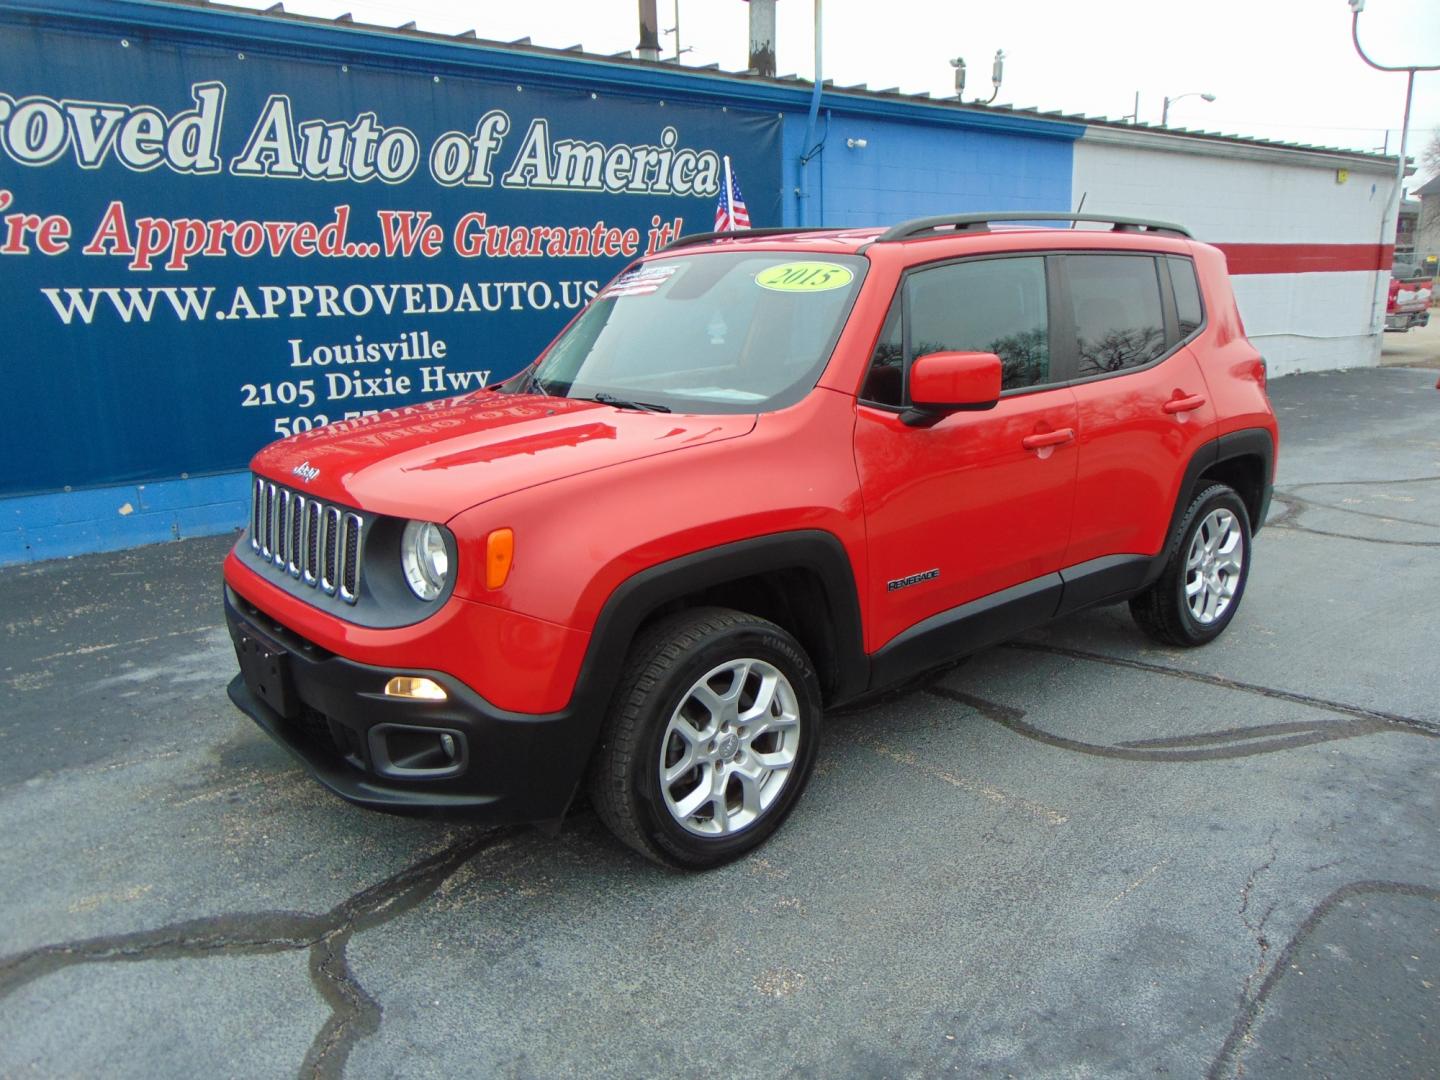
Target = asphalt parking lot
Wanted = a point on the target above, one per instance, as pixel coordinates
(1079, 855)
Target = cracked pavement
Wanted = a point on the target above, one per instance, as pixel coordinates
(1080, 854)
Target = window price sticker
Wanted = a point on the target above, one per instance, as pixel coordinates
(804, 277)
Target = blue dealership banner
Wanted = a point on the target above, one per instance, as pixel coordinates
(203, 248)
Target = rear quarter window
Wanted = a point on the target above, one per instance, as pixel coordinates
(1118, 318)
(1188, 309)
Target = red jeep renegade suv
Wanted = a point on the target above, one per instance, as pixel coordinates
(759, 475)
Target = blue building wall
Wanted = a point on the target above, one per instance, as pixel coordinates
(914, 168)
(920, 158)
(63, 523)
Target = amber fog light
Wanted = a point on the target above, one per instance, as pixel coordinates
(420, 689)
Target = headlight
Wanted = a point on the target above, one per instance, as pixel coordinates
(424, 559)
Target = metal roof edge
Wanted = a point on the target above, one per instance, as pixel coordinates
(345, 40)
(1174, 142)
(355, 42)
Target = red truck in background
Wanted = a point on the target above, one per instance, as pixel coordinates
(1411, 289)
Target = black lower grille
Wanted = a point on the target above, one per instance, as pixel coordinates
(332, 737)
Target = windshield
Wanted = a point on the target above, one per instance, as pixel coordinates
(718, 332)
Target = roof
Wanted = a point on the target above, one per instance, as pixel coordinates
(1430, 187)
(921, 106)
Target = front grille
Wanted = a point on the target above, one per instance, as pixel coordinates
(317, 542)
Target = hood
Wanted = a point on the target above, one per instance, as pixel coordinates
(433, 460)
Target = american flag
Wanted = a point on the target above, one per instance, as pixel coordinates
(730, 211)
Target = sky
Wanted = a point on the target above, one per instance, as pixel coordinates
(1279, 69)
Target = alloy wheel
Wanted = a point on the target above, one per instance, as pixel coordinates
(729, 747)
(1213, 566)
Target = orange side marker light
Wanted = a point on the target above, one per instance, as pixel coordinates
(499, 554)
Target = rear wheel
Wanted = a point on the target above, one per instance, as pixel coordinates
(1199, 591)
(710, 739)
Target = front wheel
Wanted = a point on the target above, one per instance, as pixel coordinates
(1199, 591)
(711, 737)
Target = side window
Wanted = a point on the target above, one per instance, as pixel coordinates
(1118, 319)
(990, 305)
(1187, 295)
(885, 383)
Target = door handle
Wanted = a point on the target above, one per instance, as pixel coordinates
(1048, 438)
(1184, 404)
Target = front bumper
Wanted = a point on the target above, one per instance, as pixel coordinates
(333, 715)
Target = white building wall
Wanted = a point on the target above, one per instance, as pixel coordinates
(1227, 193)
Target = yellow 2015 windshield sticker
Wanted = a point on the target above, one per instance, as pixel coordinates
(804, 277)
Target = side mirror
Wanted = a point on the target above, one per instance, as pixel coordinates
(944, 382)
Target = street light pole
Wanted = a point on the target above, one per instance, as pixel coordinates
(1356, 7)
(1165, 109)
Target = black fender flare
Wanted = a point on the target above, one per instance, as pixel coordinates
(577, 726)
(638, 597)
(1252, 442)
(1247, 442)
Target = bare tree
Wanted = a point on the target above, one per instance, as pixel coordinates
(1429, 214)
(1428, 224)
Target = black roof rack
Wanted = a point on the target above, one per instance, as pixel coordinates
(738, 234)
(918, 227)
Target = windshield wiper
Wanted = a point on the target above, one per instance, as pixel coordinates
(533, 385)
(621, 403)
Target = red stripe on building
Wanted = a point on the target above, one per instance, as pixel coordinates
(1306, 258)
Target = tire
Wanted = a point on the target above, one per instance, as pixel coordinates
(1200, 589)
(688, 686)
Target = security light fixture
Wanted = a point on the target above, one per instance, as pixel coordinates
(997, 73)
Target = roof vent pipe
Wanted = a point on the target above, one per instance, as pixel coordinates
(649, 47)
(762, 37)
